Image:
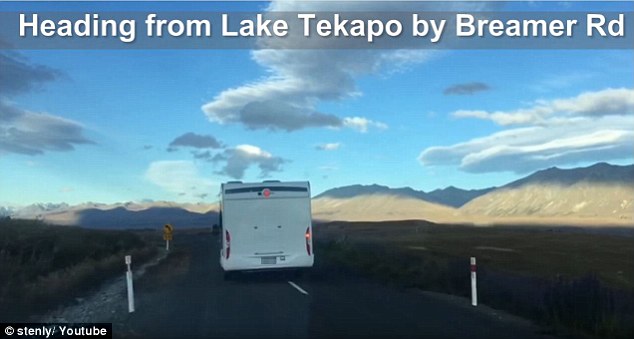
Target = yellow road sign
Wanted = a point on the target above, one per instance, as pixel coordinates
(168, 230)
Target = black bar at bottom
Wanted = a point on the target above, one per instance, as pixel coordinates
(55, 330)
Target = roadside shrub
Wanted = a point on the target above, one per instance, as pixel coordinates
(588, 305)
(46, 265)
(581, 305)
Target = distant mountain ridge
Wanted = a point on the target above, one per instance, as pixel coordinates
(356, 190)
(36, 210)
(456, 197)
(601, 191)
(450, 196)
(154, 217)
(146, 214)
(602, 173)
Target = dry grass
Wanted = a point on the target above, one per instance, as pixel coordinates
(558, 276)
(536, 251)
(43, 266)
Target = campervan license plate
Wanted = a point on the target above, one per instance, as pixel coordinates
(269, 260)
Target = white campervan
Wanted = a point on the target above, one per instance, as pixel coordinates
(265, 225)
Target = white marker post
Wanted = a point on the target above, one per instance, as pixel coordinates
(474, 290)
(167, 245)
(128, 275)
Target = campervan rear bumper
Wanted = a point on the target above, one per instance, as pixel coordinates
(278, 262)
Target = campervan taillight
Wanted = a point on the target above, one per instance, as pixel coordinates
(308, 240)
(228, 242)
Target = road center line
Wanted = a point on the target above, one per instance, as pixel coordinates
(301, 290)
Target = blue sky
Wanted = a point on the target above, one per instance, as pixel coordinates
(174, 124)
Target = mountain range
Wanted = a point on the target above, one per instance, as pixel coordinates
(601, 193)
(129, 215)
(450, 196)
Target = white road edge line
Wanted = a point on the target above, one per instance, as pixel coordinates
(301, 290)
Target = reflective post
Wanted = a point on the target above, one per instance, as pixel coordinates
(474, 290)
(128, 275)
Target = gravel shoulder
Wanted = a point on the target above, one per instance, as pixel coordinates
(107, 304)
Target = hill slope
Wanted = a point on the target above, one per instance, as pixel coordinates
(353, 191)
(379, 207)
(598, 191)
(455, 197)
(449, 196)
(131, 216)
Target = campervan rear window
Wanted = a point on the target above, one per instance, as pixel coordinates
(260, 188)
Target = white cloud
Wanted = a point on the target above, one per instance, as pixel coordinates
(238, 159)
(501, 118)
(362, 124)
(26, 132)
(181, 177)
(253, 151)
(332, 146)
(32, 133)
(610, 101)
(19, 75)
(593, 126)
(298, 80)
(194, 140)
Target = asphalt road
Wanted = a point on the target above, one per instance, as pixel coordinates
(190, 299)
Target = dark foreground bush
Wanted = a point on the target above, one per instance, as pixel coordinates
(42, 265)
(587, 304)
(581, 305)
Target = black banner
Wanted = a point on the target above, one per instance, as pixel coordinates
(55, 330)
